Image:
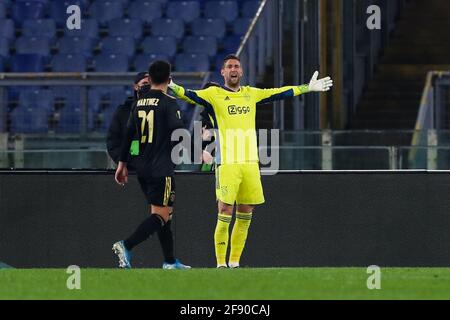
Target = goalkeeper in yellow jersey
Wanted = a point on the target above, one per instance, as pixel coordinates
(232, 109)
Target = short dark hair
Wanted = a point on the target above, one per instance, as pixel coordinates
(230, 57)
(159, 71)
(210, 84)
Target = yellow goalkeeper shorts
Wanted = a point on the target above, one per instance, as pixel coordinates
(239, 183)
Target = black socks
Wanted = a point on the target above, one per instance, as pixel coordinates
(166, 239)
(154, 223)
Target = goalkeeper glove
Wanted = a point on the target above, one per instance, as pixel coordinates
(320, 85)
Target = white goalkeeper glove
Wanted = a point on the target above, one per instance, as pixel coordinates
(320, 85)
(171, 84)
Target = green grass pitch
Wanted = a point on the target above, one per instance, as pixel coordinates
(237, 284)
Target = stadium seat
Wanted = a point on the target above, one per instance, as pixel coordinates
(143, 61)
(27, 10)
(2, 10)
(111, 63)
(118, 45)
(186, 10)
(2, 64)
(29, 120)
(76, 45)
(218, 61)
(231, 43)
(31, 116)
(145, 10)
(33, 45)
(37, 98)
(100, 97)
(241, 25)
(105, 118)
(58, 9)
(7, 30)
(67, 95)
(168, 27)
(89, 29)
(249, 8)
(163, 45)
(4, 47)
(69, 120)
(69, 63)
(106, 10)
(39, 28)
(187, 62)
(200, 44)
(27, 63)
(227, 10)
(209, 27)
(125, 28)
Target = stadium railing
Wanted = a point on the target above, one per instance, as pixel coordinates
(325, 157)
(83, 81)
(256, 48)
(432, 120)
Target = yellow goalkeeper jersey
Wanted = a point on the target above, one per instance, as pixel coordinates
(233, 114)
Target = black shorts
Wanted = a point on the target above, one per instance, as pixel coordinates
(159, 191)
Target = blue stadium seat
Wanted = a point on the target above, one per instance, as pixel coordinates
(100, 97)
(2, 64)
(209, 27)
(29, 120)
(2, 10)
(58, 10)
(31, 116)
(76, 45)
(186, 10)
(7, 29)
(70, 113)
(67, 95)
(218, 61)
(216, 77)
(249, 8)
(28, 10)
(106, 10)
(241, 25)
(200, 44)
(69, 119)
(164, 45)
(118, 45)
(126, 28)
(27, 63)
(142, 61)
(227, 10)
(89, 28)
(111, 63)
(4, 47)
(168, 27)
(145, 10)
(106, 117)
(231, 43)
(33, 45)
(36, 98)
(39, 28)
(191, 62)
(69, 63)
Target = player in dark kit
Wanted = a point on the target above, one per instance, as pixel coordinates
(155, 115)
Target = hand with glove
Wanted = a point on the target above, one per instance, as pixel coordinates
(319, 85)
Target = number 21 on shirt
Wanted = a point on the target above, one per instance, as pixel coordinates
(146, 118)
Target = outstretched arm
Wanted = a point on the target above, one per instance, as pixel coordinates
(315, 85)
(191, 96)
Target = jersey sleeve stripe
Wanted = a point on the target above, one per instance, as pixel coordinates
(279, 96)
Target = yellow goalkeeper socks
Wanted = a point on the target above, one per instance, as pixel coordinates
(239, 236)
(221, 238)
